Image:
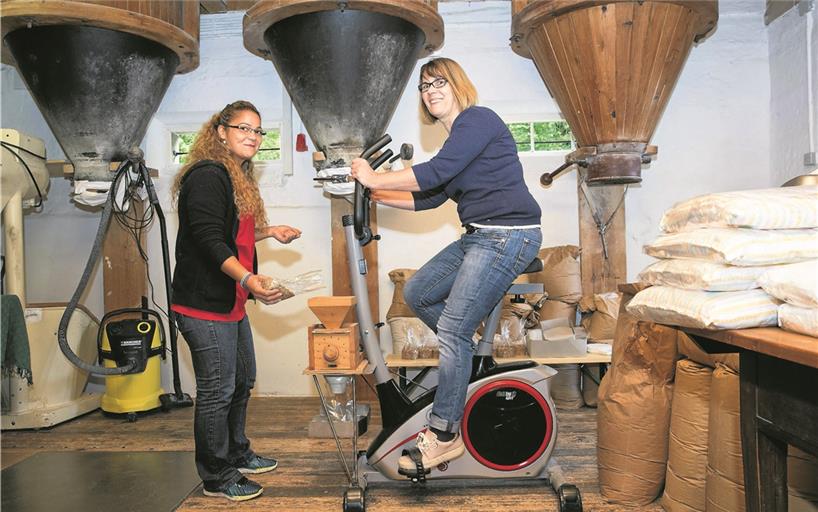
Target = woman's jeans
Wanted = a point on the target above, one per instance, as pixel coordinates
(454, 292)
(225, 367)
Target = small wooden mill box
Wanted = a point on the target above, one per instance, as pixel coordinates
(334, 349)
(333, 344)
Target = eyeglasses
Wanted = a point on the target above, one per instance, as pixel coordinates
(437, 83)
(247, 129)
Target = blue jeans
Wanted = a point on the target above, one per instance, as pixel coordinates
(225, 366)
(454, 292)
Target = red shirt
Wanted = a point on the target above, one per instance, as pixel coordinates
(245, 244)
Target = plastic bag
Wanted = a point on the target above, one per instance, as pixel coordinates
(412, 346)
(429, 348)
(302, 283)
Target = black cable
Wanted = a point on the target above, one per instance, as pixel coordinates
(136, 225)
(7, 146)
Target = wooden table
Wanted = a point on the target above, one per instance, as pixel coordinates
(779, 404)
(424, 365)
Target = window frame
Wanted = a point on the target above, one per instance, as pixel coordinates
(531, 120)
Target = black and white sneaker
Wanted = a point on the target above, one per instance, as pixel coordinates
(243, 490)
(258, 464)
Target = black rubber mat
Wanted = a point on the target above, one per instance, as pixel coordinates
(121, 481)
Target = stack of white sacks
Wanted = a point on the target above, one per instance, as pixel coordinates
(736, 260)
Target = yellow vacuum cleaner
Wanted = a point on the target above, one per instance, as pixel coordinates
(135, 342)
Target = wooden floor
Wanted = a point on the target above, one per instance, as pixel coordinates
(309, 477)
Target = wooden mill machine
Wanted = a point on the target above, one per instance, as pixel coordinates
(611, 66)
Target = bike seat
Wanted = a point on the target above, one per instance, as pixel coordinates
(534, 266)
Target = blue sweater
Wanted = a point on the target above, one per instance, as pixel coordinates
(478, 168)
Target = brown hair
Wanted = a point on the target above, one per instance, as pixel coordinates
(463, 89)
(209, 146)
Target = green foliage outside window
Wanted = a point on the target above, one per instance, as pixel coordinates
(542, 136)
(270, 146)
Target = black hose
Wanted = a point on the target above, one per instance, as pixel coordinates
(104, 221)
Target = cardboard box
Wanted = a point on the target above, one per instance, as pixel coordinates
(559, 339)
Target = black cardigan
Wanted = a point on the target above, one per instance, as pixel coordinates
(208, 226)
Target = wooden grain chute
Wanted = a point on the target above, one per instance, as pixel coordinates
(611, 66)
(98, 69)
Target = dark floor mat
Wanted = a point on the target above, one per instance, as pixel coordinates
(121, 481)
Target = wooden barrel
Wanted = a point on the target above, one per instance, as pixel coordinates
(611, 66)
(99, 69)
(172, 23)
(344, 64)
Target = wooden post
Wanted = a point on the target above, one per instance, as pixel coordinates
(123, 269)
(341, 284)
(601, 275)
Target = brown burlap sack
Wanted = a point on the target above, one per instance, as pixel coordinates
(590, 386)
(633, 415)
(724, 485)
(551, 309)
(689, 349)
(687, 445)
(604, 310)
(802, 480)
(565, 387)
(399, 308)
(560, 274)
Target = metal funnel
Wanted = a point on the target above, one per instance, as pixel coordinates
(345, 64)
(98, 79)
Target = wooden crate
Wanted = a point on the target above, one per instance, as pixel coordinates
(334, 348)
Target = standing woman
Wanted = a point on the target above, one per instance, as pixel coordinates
(479, 169)
(221, 217)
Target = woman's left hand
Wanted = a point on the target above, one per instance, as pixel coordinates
(362, 171)
(284, 234)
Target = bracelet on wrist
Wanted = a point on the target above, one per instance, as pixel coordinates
(243, 282)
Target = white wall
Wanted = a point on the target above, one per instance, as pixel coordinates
(793, 55)
(713, 136)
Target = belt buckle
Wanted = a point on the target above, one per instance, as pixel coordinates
(470, 229)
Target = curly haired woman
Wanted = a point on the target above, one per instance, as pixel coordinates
(221, 217)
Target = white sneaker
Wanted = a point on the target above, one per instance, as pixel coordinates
(434, 451)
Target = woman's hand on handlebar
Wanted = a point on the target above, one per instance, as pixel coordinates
(362, 171)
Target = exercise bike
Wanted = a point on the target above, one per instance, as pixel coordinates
(509, 426)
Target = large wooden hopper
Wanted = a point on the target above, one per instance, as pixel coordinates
(98, 69)
(611, 66)
(344, 64)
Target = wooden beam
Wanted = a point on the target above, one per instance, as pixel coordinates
(600, 274)
(123, 269)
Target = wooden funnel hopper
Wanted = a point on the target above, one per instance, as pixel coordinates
(333, 312)
(99, 69)
(611, 66)
(344, 64)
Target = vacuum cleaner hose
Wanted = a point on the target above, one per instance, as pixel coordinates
(62, 331)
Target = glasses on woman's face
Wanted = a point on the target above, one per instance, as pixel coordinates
(437, 83)
(247, 129)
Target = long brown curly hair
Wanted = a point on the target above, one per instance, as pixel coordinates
(208, 146)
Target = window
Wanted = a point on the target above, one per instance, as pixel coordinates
(270, 145)
(541, 136)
